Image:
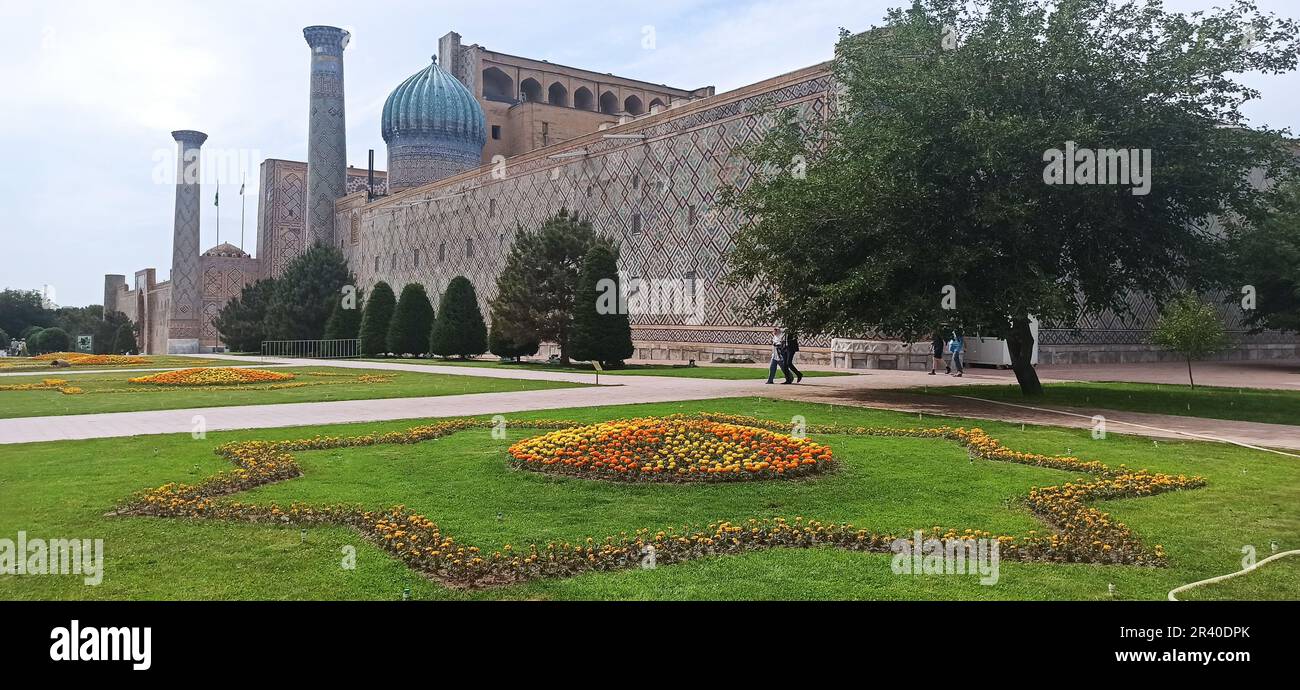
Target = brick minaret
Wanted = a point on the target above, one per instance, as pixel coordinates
(326, 135)
(183, 325)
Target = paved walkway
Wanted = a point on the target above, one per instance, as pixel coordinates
(870, 388)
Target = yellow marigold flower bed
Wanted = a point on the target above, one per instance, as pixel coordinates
(81, 359)
(212, 376)
(1076, 532)
(671, 449)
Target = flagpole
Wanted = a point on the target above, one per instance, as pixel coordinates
(243, 205)
(216, 201)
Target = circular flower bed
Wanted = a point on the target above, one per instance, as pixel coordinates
(83, 359)
(212, 376)
(671, 449)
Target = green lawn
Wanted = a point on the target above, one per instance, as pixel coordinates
(1242, 404)
(463, 482)
(734, 373)
(1280, 575)
(18, 365)
(112, 392)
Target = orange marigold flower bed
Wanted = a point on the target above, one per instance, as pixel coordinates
(671, 449)
(212, 376)
(82, 359)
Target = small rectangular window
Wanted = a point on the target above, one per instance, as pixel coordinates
(636, 223)
(492, 207)
(690, 215)
(469, 246)
(376, 264)
(416, 258)
(442, 251)
(496, 131)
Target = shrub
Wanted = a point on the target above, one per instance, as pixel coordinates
(375, 319)
(4, 339)
(50, 340)
(408, 332)
(505, 346)
(459, 329)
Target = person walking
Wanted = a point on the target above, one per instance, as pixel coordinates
(791, 349)
(936, 349)
(955, 346)
(778, 356)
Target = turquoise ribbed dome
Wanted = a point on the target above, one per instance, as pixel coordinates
(434, 104)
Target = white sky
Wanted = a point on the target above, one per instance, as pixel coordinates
(93, 89)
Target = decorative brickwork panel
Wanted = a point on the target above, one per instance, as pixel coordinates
(282, 200)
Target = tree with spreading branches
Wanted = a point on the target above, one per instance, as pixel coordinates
(958, 180)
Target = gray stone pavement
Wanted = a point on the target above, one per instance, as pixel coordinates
(643, 389)
(869, 388)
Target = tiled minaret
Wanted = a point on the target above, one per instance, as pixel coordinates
(183, 326)
(326, 135)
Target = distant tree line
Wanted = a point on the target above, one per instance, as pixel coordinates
(25, 316)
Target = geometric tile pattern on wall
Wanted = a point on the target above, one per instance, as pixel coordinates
(282, 206)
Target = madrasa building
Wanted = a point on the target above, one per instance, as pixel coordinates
(481, 143)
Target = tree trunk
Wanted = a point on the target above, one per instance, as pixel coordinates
(1020, 342)
(1190, 380)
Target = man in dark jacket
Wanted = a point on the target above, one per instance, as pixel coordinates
(791, 348)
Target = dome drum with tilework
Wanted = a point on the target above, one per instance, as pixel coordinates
(434, 128)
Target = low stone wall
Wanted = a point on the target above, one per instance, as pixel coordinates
(1141, 354)
(884, 354)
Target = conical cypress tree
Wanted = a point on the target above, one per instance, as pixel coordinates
(459, 329)
(601, 330)
(409, 331)
(375, 320)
